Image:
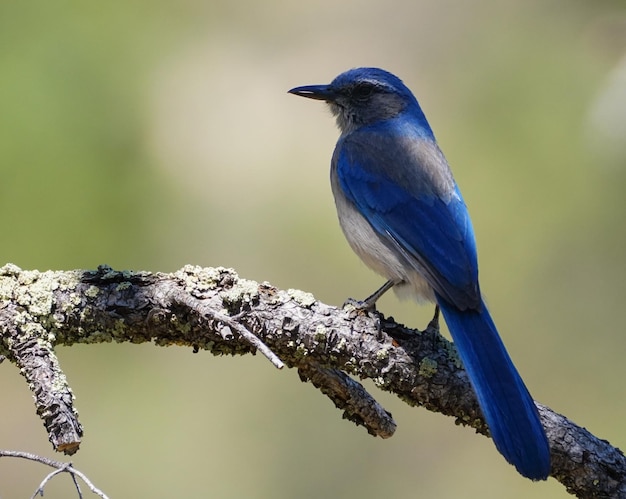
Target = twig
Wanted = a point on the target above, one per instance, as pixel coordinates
(60, 467)
(249, 337)
(39, 491)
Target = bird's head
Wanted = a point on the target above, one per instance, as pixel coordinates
(362, 96)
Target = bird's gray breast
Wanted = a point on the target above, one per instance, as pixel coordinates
(379, 251)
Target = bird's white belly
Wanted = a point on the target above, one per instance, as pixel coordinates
(378, 255)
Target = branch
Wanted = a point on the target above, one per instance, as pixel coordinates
(213, 309)
(59, 468)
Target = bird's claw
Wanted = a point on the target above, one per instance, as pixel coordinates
(360, 305)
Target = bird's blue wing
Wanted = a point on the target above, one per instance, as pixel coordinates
(419, 211)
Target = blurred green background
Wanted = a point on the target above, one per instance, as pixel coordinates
(148, 135)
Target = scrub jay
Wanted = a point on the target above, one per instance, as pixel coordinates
(403, 215)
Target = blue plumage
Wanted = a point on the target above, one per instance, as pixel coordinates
(405, 207)
(506, 404)
(403, 214)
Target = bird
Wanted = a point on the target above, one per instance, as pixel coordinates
(403, 214)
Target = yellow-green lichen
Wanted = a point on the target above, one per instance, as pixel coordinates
(73, 300)
(382, 354)
(427, 367)
(40, 294)
(32, 330)
(69, 280)
(10, 270)
(184, 327)
(27, 277)
(119, 329)
(320, 333)
(92, 292)
(244, 291)
(302, 297)
(199, 273)
(59, 384)
(123, 285)
(203, 278)
(7, 287)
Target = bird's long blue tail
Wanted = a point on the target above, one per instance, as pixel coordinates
(506, 404)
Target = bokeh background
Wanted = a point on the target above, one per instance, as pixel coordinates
(152, 134)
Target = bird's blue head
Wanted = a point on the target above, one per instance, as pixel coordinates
(363, 96)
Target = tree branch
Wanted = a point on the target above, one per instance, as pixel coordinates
(213, 309)
(60, 467)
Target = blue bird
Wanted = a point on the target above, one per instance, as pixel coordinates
(403, 215)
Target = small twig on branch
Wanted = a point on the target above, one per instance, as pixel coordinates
(213, 309)
(249, 337)
(60, 467)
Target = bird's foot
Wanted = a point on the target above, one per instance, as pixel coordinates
(360, 305)
(369, 304)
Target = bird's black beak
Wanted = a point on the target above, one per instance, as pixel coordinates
(317, 92)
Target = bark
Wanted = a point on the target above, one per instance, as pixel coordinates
(214, 309)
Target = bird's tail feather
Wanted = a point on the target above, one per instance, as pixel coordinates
(506, 404)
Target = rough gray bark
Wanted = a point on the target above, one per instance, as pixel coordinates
(213, 309)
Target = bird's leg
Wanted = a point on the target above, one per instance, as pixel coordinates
(370, 302)
(434, 323)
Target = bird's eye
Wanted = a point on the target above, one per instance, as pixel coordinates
(362, 91)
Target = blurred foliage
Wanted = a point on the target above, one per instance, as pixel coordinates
(147, 135)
